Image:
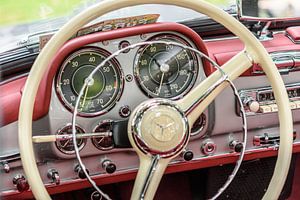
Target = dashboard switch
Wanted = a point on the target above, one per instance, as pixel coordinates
(5, 167)
(274, 107)
(125, 111)
(54, 176)
(21, 183)
(265, 109)
(187, 155)
(109, 166)
(236, 146)
(253, 106)
(297, 104)
(293, 105)
(208, 147)
(80, 172)
(250, 104)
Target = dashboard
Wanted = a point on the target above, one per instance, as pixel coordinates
(122, 82)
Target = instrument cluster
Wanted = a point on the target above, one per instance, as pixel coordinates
(160, 70)
(151, 70)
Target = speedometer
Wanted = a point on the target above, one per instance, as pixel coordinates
(166, 71)
(102, 91)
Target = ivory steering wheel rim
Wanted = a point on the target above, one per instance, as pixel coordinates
(253, 52)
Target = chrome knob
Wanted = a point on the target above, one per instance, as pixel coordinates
(80, 172)
(5, 167)
(236, 146)
(54, 176)
(208, 147)
(21, 183)
(109, 166)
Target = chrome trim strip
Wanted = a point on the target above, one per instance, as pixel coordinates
(10, 157)
(150, 174)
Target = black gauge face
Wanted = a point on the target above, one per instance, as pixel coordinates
(101, 92)
(67, 146)
(166, 71)
(103, 143)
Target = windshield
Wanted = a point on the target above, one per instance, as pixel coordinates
(27, 17)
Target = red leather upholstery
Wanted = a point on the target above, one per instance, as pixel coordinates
(294, 33)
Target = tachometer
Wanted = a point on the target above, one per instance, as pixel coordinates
(166, 71)
(102, 92)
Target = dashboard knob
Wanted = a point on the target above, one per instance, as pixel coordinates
(109, 166)
(5, 167)
(250, 104)
(80, 172)
(236, 146)
(187, 155)
(54, 176)
(21, 183)
(208, 147)
(253, 106)
(125, 111)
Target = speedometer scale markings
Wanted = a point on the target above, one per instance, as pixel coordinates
(102, 91)
(165, 71)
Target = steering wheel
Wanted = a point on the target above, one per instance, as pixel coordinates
(155, 154)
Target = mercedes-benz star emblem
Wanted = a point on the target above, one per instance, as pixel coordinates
(163, 128)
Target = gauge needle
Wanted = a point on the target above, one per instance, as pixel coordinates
(161, 81)
(65, 144)
(85, 95)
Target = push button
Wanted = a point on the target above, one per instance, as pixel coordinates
(293, 105)
(274, 107)
(265, 109)
(297, 104)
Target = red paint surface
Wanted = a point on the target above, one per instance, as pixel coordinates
(222, 51)
(294, 32)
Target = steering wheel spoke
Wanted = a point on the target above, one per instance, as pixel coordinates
(194, 103)
(150, 172)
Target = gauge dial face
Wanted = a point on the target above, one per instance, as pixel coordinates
(166, 71)
(67, 146)
(102, 91)
(103, 143)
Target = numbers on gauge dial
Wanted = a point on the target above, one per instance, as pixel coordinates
(166, 71)
(102, 91)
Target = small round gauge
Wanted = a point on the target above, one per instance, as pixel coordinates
(166, 71)
(101, 92)
(67, 146)
(103, 143)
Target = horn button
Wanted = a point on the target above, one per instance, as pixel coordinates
(159, 127)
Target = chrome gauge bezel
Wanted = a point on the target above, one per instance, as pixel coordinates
(93, 138)
(117, 68)
(67, 152)
(174, 38)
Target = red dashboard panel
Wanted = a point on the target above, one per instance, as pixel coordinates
(294, 33)
(223, 50)
(10, 100)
